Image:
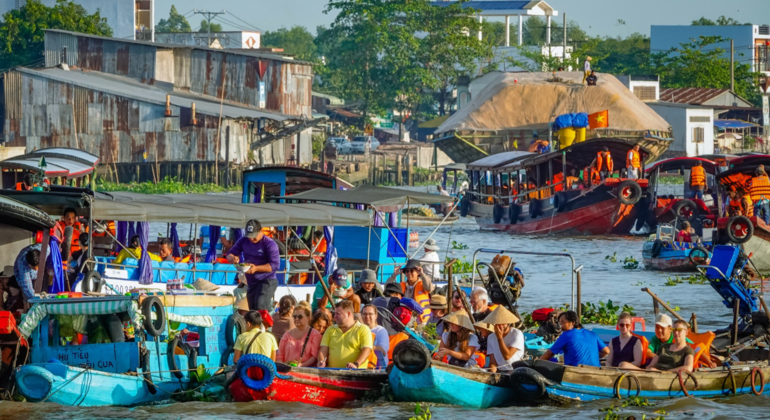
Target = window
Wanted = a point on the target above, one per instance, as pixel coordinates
(645, 93)
(698, 134)
(700, 119)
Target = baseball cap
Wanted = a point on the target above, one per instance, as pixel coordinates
(252, 228)
(340, 276)
(663, 320)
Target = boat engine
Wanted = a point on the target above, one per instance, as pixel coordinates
(503, 282)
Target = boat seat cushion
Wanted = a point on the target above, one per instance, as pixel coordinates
(724, 258)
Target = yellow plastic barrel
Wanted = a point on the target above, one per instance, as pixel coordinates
(566, 137)
(580, 135)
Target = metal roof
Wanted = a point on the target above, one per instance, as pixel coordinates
(695, 96)
(378, 197)
(156, 94)
(500, 6)
(498, 159)
(682, 162)
(68, 153)
(734, 124)
(23, 216)
(60, 161)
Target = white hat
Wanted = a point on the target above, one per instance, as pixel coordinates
(663, 320)
(430, 245)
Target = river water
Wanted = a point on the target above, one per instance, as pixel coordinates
(547, 284)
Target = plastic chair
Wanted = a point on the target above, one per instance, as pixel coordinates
(701, 343)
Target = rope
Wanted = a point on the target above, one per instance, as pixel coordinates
(753, 381)
(180, 384)
(86, 369)
(734, 388)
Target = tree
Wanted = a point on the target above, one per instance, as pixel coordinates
(22, 31)
(215, 27)
(721, 21)
(629, 56)
(175, 22)
(296, 41)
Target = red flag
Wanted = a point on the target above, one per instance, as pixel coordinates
(599, 119)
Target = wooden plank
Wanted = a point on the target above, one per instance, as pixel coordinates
(193, 300)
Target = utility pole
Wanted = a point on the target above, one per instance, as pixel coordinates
(208, 16)
(732, 65)
(564, 44)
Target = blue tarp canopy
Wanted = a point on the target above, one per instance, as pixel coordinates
(722, 124)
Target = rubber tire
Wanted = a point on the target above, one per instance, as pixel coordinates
(156, 328)
(233, 328)
(686, 203)
(729, 230)
(92, 278)
(560, 201)
(657, 246)
(34, 392)
(114, 328)
(226, 356)
(146, 374)
(191, 353)
(411, 357)
(697, 248)
(497, 213)
(514, 210)
(636, 192)
(534, 209)
(522, 376)
(256, 360)
(465, 205)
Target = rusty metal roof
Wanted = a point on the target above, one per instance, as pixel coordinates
(696, 96)
(155, 94)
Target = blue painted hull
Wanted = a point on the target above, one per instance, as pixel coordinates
(444, 384)
(72, 386)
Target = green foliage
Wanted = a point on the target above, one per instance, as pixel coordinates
(529, 323)
(22, 31)
(167, 186)
(319, 142)
(296, 41)
(721, 21)
(420, 414)
(200, 375)
(614, 412)
(612, 258)
(430, 334)
(459, 245)
(420, 211)
(215, 27)
(461, 266)
(693, 279)
(630, 263)
(602, 313)
(671, 180)
(176, 22)
(627, 56)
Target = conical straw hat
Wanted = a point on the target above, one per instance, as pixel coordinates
(205, 285)
(459, 318)
(501, 316)
(242, 304)
(485, 326)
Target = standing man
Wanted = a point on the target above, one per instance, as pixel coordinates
(346, 344)
(604, 163)
(586, 68)
(263, 255)
(430, 255)
(634, 163)
(697, 180)
(759, 191)
(69, 218)
(417, 286)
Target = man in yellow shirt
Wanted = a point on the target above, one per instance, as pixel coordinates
(254, 341)
(347, 344)
(134, 250)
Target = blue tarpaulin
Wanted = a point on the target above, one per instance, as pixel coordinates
(580, 120)
(574, 119)
(176, 250)
(733, 124)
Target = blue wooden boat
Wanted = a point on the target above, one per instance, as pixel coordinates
(662, 252)
(151, 368)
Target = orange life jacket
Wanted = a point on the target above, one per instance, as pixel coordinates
(596, 179)
(58, 231)
(421, 297)
(371, 361)
(20, 186)
(633, 159)
(645, 345)
(534, 194)
(698, 176)
(735, 206)
(393, 342)
(558, 182)
(760, 188)
(602, 158)
(110, 228)
(748, 206)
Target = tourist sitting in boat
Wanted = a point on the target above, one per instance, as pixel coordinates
(418, 286)
(262, 253)
(77, 260)
(626, 350)
(458, 343)
(686, 233)
(430, 254)
(284, 321)
(339, 287)
(69, 219)
(319, 243)
(759, 192)
(379, 335)
(254, 341)
(458, 296)
(368, 290)
(506, 345)
(580, 346)
(165, 253)
(663, 335)
(346, 344)
(675, 356)
(573, 180)
(393, 290)
(481, 309)
(740, 204)
(134, 251)
(300, 345)
(438, 309)
(483, 331)
(320, 321)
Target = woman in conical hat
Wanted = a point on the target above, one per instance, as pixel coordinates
(458, 342)
(506, 345)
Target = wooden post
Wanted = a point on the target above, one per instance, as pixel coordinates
(578, 304)
(409, 170)
(694, 323)
(399, 172)
(138, 172)
(736, 317)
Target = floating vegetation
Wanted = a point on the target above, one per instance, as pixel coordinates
(693, 279)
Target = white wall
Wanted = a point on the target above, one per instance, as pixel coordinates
(707, 147)
(678, 117)
(244, 40)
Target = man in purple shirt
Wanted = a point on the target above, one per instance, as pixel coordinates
(265, 259)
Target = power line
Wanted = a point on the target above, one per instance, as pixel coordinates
(208, 16)
(247, 24)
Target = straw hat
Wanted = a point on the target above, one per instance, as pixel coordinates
(430, 245)
(459, 318)
(242, 304)
(437, 302)
(501, 316)
(485, 326)
(204, 285)
(589, 58)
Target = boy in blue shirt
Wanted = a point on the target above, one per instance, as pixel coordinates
(580, 347)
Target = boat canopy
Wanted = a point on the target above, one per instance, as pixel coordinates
(85, 306)
(60, 162)
(742, 170)
(23, 216)
(455, 167)
(682, 162)
(498, 159)
(377, 197)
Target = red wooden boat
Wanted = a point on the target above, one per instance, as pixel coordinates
(323, 387)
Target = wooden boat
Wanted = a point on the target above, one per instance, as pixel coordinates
(544, 381)
(269, 381)
(611, 207)
(663, 252)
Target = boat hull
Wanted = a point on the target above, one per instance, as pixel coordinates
(677, 260)
(444, 384)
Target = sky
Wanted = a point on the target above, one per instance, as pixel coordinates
(597, 17)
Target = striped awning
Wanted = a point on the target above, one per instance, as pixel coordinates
(39, 311)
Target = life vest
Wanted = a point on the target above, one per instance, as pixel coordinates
(20, 186)
(110, 228)
(421, 297)
(571, 180)
(371, 361)
(558, 182)
(760, 188)
(393, 342)
(534, 194)
(698, 176)
(58, 231)
(748, 206)
(480, 358)
(185, 259)
(601, 159)
(645, 345)
(596, 179)
(735, 206)
(633, 159)
(322, 248)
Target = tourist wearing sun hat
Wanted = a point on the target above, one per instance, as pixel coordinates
(506, 345)
(438, 308)
(203, 285)
(430, 255)
(417, 286)
(458, 342)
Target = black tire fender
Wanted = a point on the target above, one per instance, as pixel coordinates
(497, 213)
(689, 204)
(657, 246)
(534, 208)
(465, 205)
(629, 192)
(223, 361)
(154, 328)
(698, 253)
(528, 382)
(190, 352)
(411, 357)
(92, 282)
(514, 210)
(233, 328)
(146, 374)
(744, 222)
(560, 201)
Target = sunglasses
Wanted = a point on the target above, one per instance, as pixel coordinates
(680, 329)
(455, 297)
(298, 316)
(624, 325)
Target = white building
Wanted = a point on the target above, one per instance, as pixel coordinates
(129, 19)
(752, 42)
(692, 127)
(646, 88)
(228, 39)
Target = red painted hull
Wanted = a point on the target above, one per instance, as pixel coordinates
(604, 218)
(330, 390)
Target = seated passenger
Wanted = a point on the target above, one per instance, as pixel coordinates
(458, 342)
(340, 289)
(319, 243)
(134, 250)
(379, 335)
(506, 345)
(580, 347)
(284, 323)
(321, 320)
(663, 335)
(685, 234)
(165, 252)
(368, 291)
(626, 350)
(675, 356)
(346, 344)
(300, 345)
(438, 309)
(254, 341)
